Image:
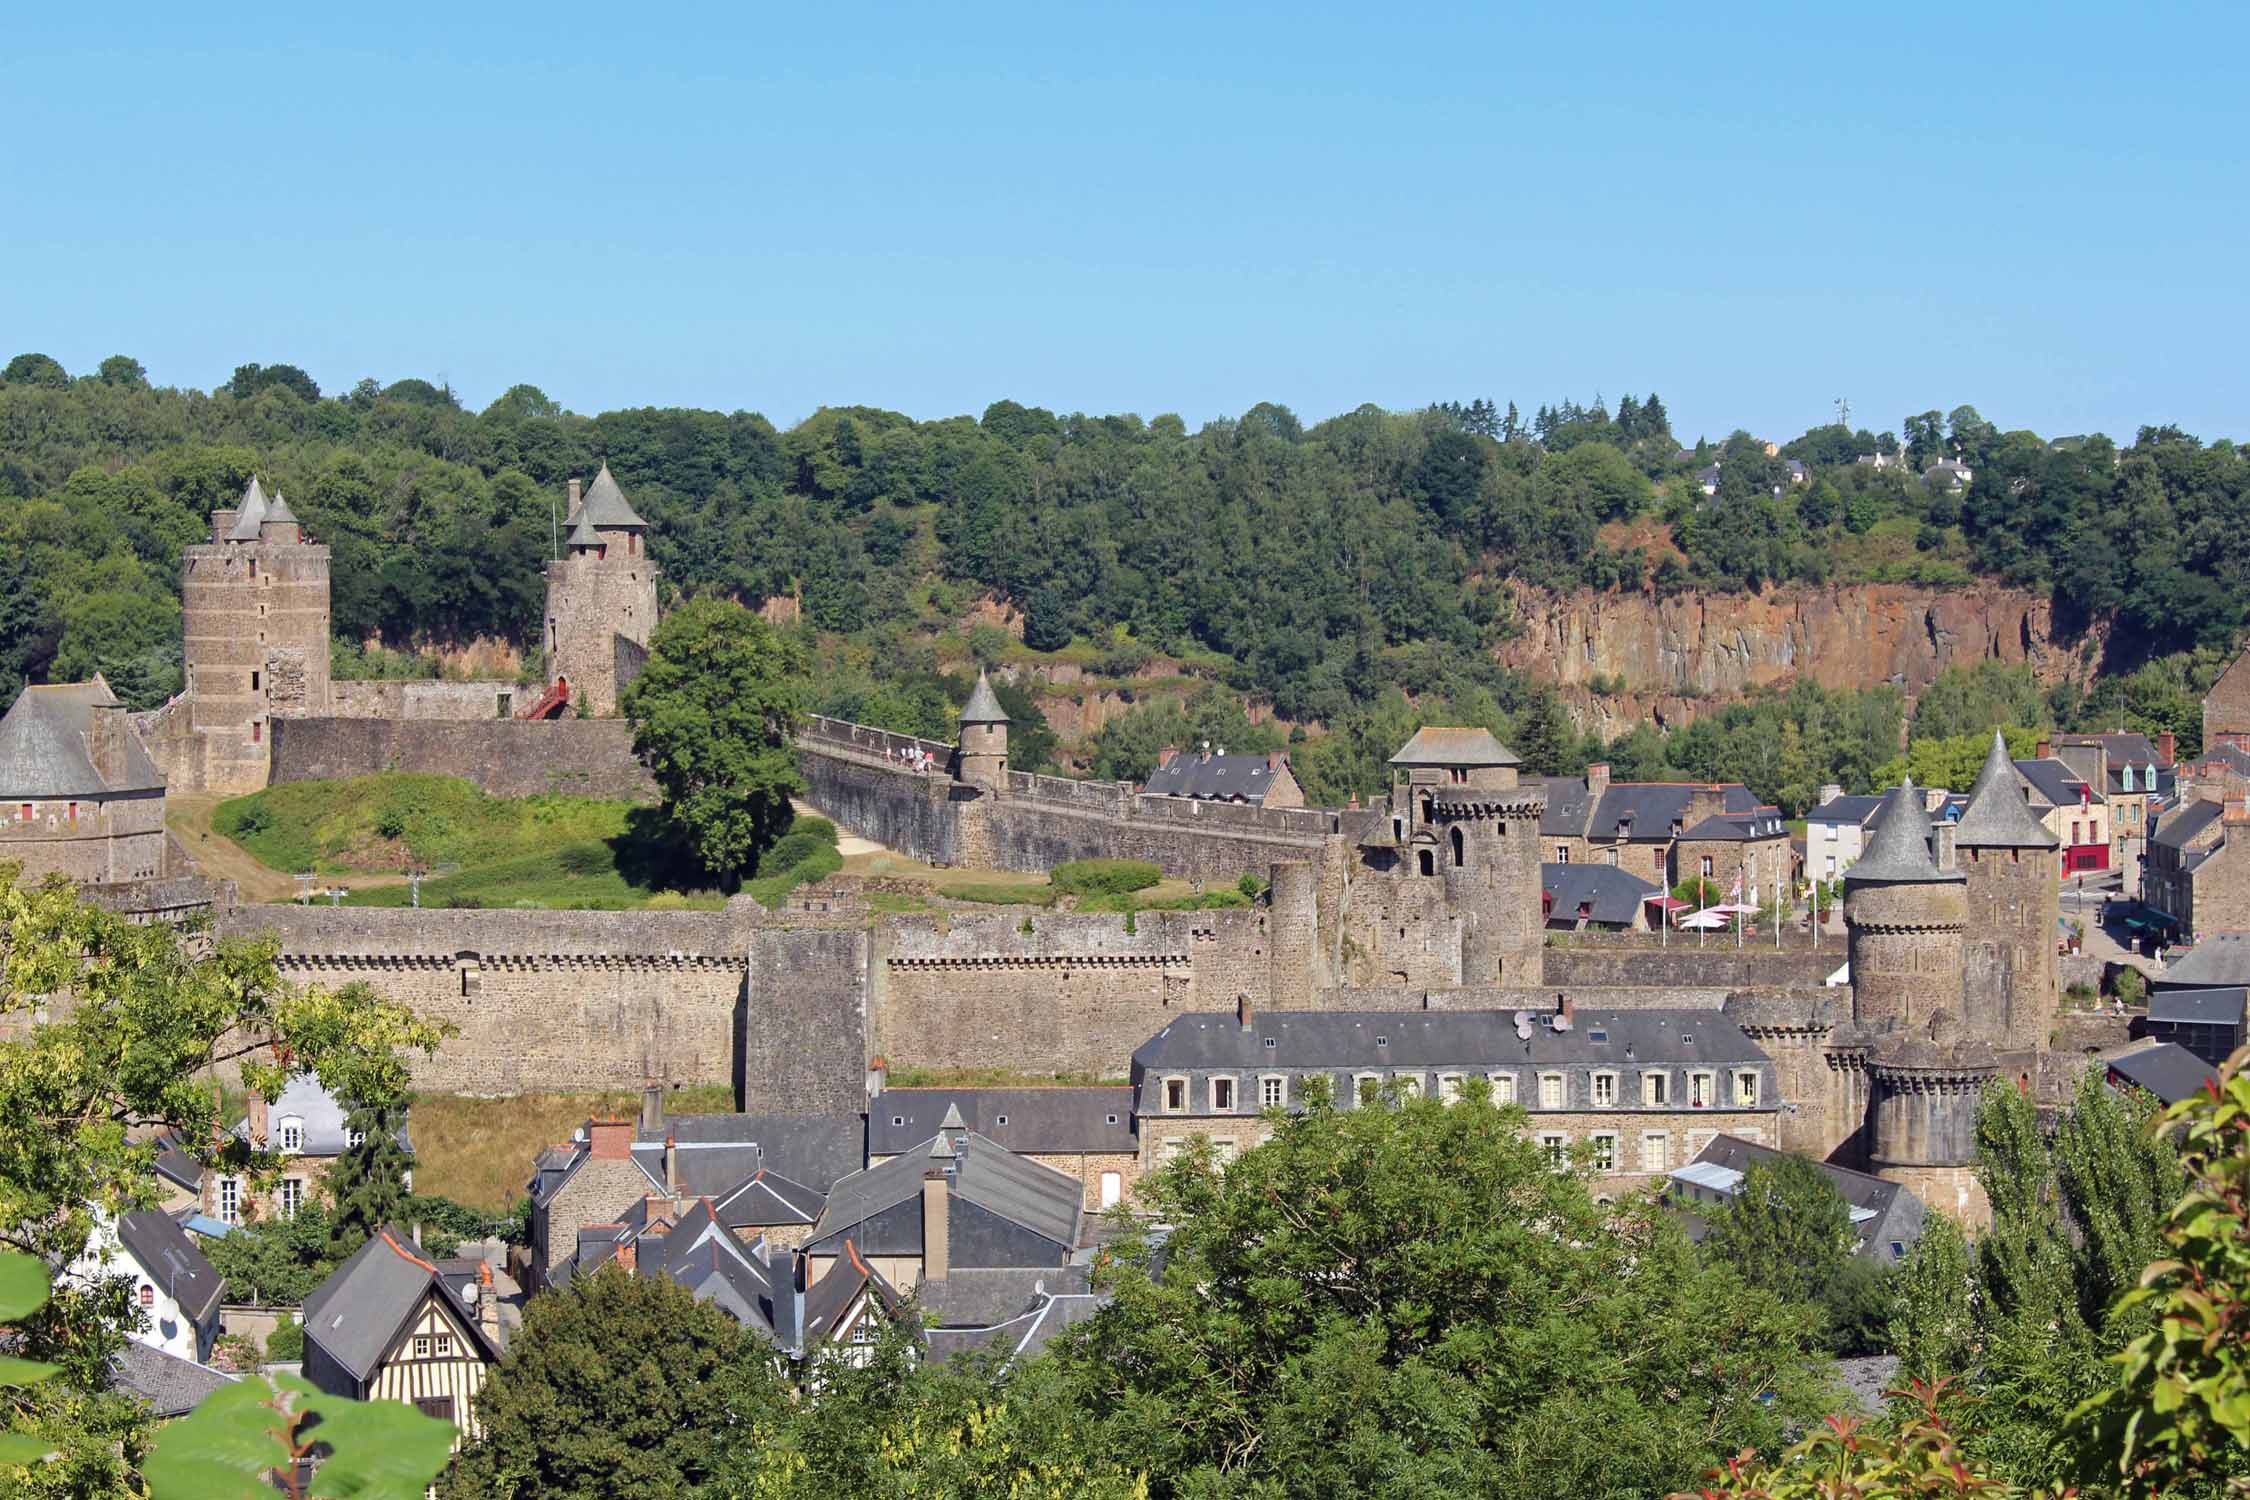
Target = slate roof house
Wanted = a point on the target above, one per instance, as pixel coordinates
(2073, 811)
(1886, 1216)
(166, 1384)
(2196, 878)
(957, 1199)
(2136, 776)
(2165, 1070)
(765, 1174)
(309, 1127)
(176, 1290)
(2208, 1022)
(1207, 776)
(1600, 898)
(79, 794)
(1636, 825)
(388, 1324)
(1085, 1132)
(1643, 1089)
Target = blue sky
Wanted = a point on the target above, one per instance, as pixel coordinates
(1750, 209)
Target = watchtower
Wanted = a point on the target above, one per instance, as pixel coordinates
(2013, 884)
(984, 740)
(1464, 904)
(601, 597)
(1903, 918)
(254, 621)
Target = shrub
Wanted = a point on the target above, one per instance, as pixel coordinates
(286, 1343)
(1250, 885)
(1104, 877)
(589, 858)
(390, 823)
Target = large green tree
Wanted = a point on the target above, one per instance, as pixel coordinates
(713, 712)
(120, 1027)
(616, 1387)
(1786, 1229)
(1411, 1300)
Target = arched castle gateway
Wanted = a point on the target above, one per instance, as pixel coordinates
(1429, 901)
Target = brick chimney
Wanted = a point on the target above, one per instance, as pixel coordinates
(1166, 756)
(612, 1140)
(2044, 751)
(258, 1120)
(573, 510)
(1242, 1016)
(2167, 749)
(936, 1228)
(488, 1302)
(1566, 1009)
(1704, 802)
(628, 1255)
(1597, 780)
(672, 1164)
(2233, 810)
(1829, 792)
(1276, 759)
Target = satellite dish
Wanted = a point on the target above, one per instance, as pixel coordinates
(1561, 1022)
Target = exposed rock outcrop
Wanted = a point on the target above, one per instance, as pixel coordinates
(1686, 654)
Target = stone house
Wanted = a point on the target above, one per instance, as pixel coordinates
(2208, 1022)
(1208, 776)
(1886, 1216)
(308, 1128)
(1595, 898)
(1635, 825)
(1751, 848)
(83, 797)
(1087, 1133)
(766, 1176)
(389, 1324)
(2226, 708)
(958, 1199)
(2197, 877)
(1645, 1090)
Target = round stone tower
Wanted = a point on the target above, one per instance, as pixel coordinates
(2014, 887)
(601, 598)
(1925, 1090)
(984, 740)
(1903, 919)
(254, 628)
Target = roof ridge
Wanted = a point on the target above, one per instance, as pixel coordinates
(402, 1250)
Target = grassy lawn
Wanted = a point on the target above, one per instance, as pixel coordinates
(553, 852)
(479, 1151)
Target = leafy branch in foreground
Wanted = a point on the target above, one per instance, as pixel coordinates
(242, 1435)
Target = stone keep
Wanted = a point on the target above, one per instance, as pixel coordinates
(601, 597)
(254, 613)
(1458, 899)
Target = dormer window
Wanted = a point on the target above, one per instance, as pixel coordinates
(292, 1134)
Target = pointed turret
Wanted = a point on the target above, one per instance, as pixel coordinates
(605, 506)
(250, 515)
(582, 534)
(278, 510)
(1899, 853)
(983, 706)
(1999, 814)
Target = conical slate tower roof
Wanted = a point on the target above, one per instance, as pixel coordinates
(582, 534)
(279, 510)
(605, 506)
(250, 515)
(1899, 854)
(1999, 816)
(983, 707)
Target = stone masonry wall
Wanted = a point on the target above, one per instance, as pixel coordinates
(506, 757)
(427, 700)
(1684, 964)
(802, 1047)
(547, 1000)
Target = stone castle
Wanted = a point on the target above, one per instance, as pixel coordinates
(1429, 901)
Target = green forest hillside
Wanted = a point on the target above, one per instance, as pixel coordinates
(1336, 573)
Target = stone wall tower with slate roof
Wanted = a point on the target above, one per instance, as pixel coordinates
(984, 740)
(2011, 877)
(1903, 919)
(1458, 902)
(601, 598)
(254, 617)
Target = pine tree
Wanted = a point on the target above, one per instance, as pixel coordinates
(1511, 426)
(1628, 418)
(368, 1182)
(1654, 420)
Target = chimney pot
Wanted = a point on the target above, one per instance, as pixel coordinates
(652, 1107)
(612, 1140)
(672, 1164)
(573, 497)
(1166, 756)
(1565, 1006)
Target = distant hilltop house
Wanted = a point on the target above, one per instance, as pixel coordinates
(1949, 474)
(1205, 775)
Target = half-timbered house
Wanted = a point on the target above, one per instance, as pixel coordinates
(392, 1325)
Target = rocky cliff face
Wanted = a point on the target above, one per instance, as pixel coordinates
(1686, 654)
